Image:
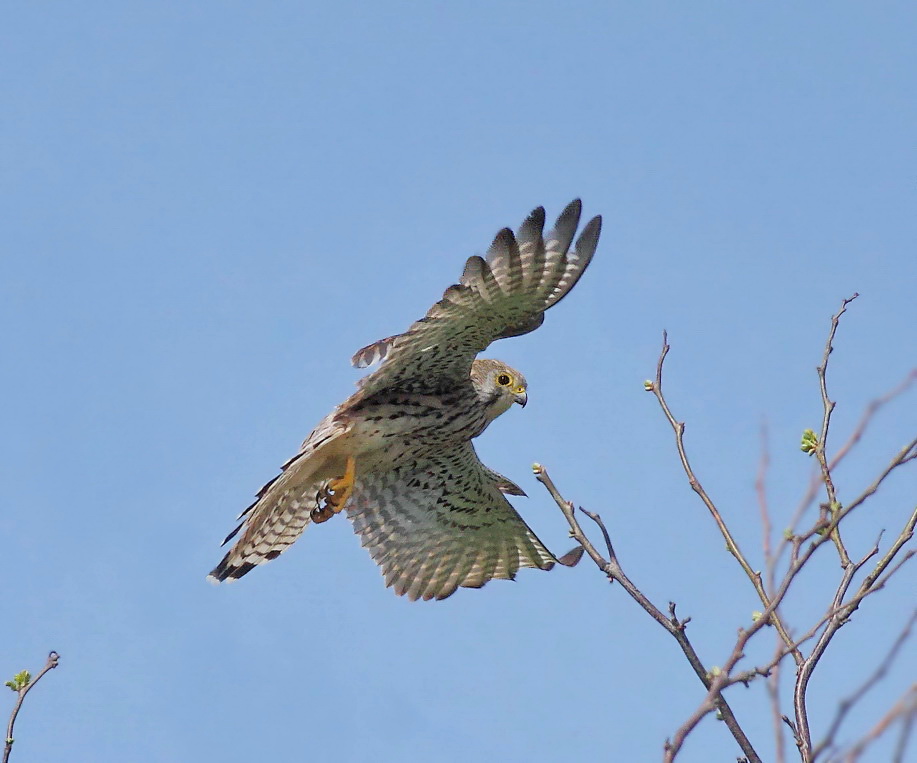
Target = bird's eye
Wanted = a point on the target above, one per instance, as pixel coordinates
(504, 380)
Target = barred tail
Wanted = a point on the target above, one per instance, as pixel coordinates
(272, 523)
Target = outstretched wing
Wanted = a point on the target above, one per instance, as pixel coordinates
(441, 523)
(502, 296)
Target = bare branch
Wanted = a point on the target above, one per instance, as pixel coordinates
(825, 528)
(613, 570)
(782, 652)
(905, 709)
(773, 696)
(679, 429)
(843, 610)
(773, 677)
(774, 590)
(828, 409)
(848, 702)
(906, 454)
(22, 684)
(674, 745)
(870, 412)
(909, 716)
(761, 492)
(904, 537)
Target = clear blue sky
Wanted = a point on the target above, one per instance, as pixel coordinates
(207, 207)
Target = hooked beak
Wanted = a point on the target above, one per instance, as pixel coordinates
(520, 396)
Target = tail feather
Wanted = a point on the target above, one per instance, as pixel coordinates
(274, 524)
(280, 514)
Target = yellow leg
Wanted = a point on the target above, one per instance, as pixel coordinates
(334, 494)
(342, 488)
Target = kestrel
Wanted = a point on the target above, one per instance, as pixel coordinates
(397, 455)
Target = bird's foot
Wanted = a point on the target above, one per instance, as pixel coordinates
(321, 514)
(334, 495)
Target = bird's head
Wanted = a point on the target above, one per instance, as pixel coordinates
(498, 386)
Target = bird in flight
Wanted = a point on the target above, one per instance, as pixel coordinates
(397, 455)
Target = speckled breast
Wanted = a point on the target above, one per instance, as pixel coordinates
(399, 425)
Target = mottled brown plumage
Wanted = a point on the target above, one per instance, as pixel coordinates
(429, 512)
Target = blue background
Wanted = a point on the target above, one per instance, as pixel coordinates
(206, 208)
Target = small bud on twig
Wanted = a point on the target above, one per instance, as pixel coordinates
(809, 442)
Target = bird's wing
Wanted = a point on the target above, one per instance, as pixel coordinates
(280, 512)
(504, 295)
(441, 523)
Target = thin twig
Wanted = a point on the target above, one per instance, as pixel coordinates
(707, 706)
(761, 492)
(782, 652)
(825, 529)
(725, 678)
(907, 726)
(828, 408)
(906, 454)
(868, 415)
(903, 537)
(773, 695)
(678, 428)
(848, 702)
(871, 410)
(905, 708)
(723, 675)
(773, 591)
(675, 627)
(773, 678)
(53, 658)
(871, 583)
